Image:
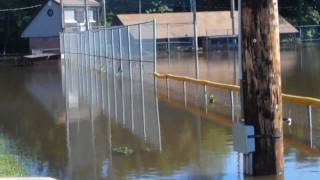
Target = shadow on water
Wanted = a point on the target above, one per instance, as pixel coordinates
(66, 127)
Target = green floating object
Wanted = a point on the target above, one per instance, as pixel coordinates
(212, 99)
(123, 151)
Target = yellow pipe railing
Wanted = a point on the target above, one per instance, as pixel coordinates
(308, 101)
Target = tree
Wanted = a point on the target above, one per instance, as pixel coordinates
(159, 7)
(12, 23)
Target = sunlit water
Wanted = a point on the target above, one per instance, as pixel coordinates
(66, 135)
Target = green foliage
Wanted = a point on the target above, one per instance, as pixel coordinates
(110, 18)
(300, 12)
(159, 7)
(123, 150)
(9, 164)
(311, 15)
(12, 23)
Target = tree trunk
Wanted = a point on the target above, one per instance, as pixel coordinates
(261, 83)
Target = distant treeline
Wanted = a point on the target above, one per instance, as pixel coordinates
(12, 24)
(298, 12)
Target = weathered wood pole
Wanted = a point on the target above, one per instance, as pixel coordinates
(261, 83)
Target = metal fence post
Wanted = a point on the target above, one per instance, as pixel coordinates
(130, 76)
(100, 44)
(94, 49)
(185, 93)
(232, 106)
(168, 87)
(79, 60)
(205, 98)
(107, 66)
(122, 83)
(155, 79)
(69, 49)
(169, 48)
(89, 50)
(92, 71)
(142, 83)
(310, 124)
(87, 65)
(114, 76)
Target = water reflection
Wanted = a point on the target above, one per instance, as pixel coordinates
(32, 117)
(102, 96)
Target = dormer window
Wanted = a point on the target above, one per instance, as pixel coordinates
(69, 16)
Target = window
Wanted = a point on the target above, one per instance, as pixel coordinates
(69, 16)
(90, 16)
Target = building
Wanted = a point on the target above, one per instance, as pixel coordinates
(214, 27)
(44, 28)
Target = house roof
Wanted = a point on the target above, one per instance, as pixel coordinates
(217, 23)
(78, 2)
(35, 27)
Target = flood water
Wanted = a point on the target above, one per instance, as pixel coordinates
(63, 131)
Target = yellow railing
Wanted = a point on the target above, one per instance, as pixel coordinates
(308, 101)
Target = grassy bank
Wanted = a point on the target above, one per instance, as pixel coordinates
(9, 164)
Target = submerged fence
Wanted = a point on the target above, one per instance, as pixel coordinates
(126, 55)
(220, 101)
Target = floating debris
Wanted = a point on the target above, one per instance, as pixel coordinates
(123, 150)
(147, 149)
(212, 99)
(287, 120)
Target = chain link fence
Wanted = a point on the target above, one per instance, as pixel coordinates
(112, 70)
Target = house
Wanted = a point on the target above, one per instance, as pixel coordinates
(213, 26)
(44, 28)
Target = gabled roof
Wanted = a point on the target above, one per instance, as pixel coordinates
(213, 23)
(78, 2)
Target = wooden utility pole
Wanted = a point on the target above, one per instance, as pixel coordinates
(261, 83)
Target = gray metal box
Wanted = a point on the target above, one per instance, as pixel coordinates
(241, 141)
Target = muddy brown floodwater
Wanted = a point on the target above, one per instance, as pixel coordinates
(66, 133)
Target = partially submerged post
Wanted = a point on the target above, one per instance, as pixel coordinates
(86, 14)
(232, 17)
(195, 36)
(261, 84)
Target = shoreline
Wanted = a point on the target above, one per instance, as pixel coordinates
(9, 163)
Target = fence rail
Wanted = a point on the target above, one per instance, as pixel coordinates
(302, 100)
(232, 89)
